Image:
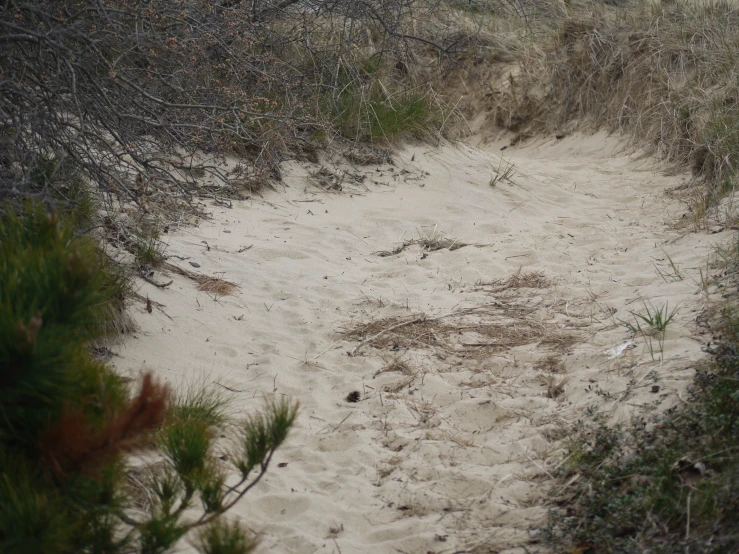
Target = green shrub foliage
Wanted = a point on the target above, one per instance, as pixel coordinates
(68, 423)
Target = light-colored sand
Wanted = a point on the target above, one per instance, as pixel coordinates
(456, 454)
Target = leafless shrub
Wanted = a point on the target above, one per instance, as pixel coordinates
(141, 100)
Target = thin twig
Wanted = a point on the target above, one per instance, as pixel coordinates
(153, 282)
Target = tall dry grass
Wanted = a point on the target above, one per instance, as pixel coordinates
(666, 74)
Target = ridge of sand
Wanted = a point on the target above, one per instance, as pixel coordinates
(452, 449)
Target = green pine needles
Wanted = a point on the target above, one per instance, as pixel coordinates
(68, 423)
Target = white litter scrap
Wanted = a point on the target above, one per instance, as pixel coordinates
(616, 351)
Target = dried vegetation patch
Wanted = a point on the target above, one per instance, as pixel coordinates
(216, 286)
(664, 73)
(529, 280)
(501, 325)
(401, 332)
(433, 243)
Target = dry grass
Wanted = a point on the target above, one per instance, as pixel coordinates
(504, 172)
(216, 286)
(467, 332)
(396, 387)
(418, 333)
(529, 280)
(508, 336)
(503, 337)
(362, 154)
(138, 484)
(550, 364)
(396, 365)
(555, 386)
(327, 180)
(212, 285)
(427, 245)
(664, 73)
(434, 242)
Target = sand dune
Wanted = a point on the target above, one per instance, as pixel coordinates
(460, 419)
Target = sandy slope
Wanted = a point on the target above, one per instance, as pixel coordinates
(455, 453)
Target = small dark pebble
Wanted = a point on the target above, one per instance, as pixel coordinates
(282, 464)
(655, 388)
(353, 396)
(559, 137)
(195, 264)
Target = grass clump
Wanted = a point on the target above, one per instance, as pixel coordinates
(198, 402)
(664, 73)
(68, 423)
(373, 113)
(655, 320)
(651, 324)
(147, 248)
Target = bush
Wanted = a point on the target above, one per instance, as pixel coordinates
(67, 421)
(670, 485)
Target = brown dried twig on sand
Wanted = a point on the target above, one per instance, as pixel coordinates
(215, 285)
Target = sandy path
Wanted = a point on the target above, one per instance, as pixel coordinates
(455, 453)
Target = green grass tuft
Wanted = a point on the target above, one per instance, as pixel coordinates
(202, 403)
(375, 114)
